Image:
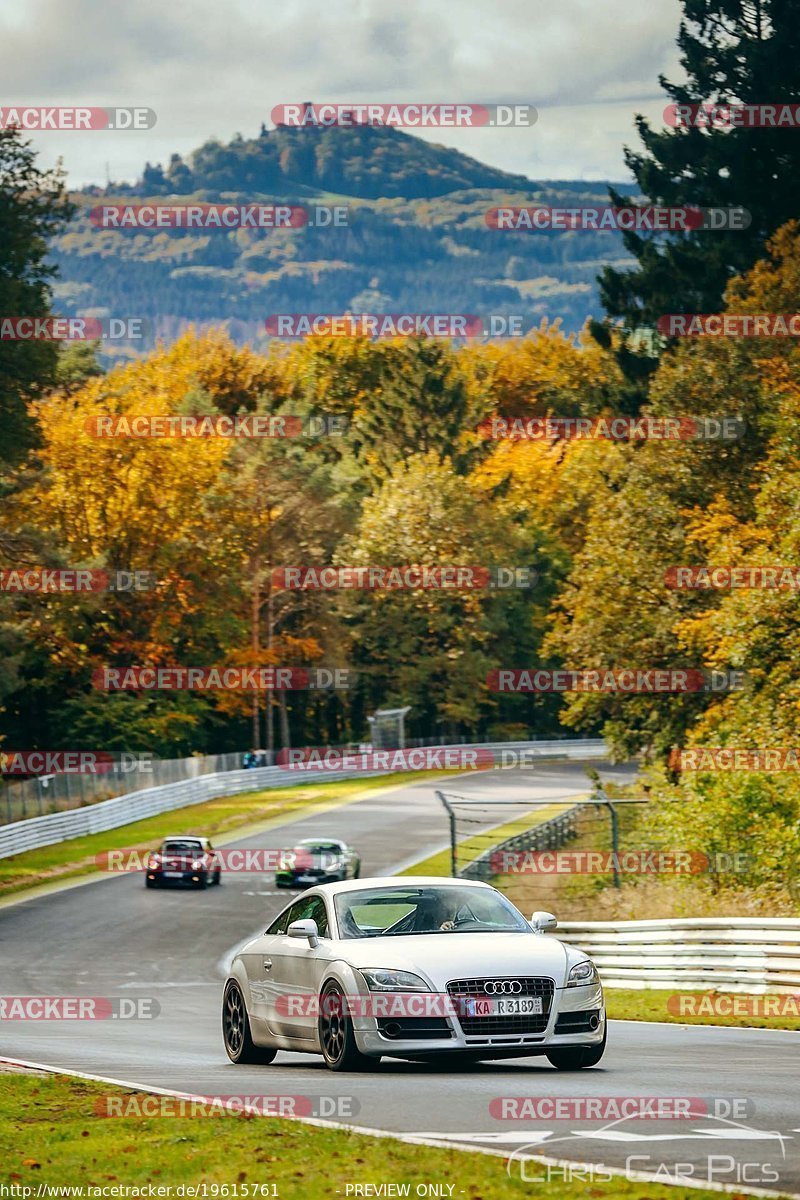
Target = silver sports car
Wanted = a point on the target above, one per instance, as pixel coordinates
(412, 968)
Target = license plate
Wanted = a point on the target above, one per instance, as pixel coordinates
(174, 874)
(307, 879)
(523, 1006)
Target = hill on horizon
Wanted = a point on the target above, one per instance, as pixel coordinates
(416, 239)
(367, 162)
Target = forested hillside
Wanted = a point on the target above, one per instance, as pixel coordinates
(416, 239)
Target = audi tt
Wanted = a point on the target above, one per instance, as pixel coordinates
(412, 968)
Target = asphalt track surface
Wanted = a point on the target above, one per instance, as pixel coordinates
(115, 938)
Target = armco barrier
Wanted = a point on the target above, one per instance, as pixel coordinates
(728, 954)
(547, 835)
(135, 806)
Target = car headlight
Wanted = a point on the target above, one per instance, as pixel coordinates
(394, 981)
(582, 974)
(198, 866)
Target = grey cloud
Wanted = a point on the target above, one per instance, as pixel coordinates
(211, 68)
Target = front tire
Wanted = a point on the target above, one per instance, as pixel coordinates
(336, 1036)
(202, 882)
(239, 1045)
(150, 883)
(575, 1058)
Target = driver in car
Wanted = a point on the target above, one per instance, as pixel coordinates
(432, 913)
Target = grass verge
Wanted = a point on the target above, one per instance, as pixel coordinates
(51, 1134)
(736, 1009)
(214, 818)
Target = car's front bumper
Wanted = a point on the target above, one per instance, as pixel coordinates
(371, 1037)
(299, 879)
(163, 880)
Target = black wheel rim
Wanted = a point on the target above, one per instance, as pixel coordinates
(331, 1024)
(233, 1020)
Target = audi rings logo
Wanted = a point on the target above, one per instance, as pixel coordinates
(502, 987)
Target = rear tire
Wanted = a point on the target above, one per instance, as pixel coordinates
(239, 1045)
(218, 878)
(336, 1036)
(575, 1058)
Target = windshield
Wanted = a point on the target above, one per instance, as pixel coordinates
(321, 847)
(182, 848)
(390, 911)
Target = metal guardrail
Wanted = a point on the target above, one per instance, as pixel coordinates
(730, 954)
(40, 795)
(47, 830)
(548, 835)
(45, 794)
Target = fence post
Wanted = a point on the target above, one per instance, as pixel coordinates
(606, 803)
(602, 799)
(440, 796)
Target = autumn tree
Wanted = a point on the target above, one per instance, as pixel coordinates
(434, 648)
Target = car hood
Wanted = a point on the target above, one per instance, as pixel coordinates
(440, 957)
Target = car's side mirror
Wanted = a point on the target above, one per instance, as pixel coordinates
(541, 922)
(305, 929)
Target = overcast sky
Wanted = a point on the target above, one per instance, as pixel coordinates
(215, 67)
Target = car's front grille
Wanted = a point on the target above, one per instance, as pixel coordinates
(498, 1025)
